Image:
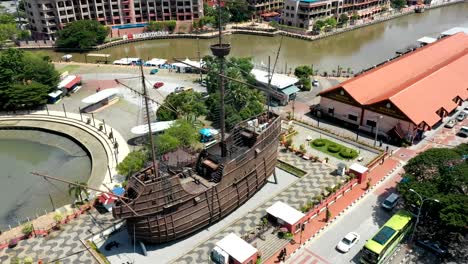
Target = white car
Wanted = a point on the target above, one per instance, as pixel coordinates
(348, 242)
(315, 83)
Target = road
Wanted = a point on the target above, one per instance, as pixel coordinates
(365, 218)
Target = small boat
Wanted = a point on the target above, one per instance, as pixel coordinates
(67, 57)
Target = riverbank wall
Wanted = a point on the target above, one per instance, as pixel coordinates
(242, 30)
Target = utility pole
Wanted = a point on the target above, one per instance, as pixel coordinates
(150, 133)
(199, 59)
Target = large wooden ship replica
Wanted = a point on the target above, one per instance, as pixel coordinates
(170, 200)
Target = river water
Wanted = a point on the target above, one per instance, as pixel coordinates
(23, 195)
(356, 49)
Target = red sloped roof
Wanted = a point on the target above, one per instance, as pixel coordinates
(418, 83)
(73, 82)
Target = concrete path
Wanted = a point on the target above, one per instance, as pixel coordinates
(318, 177)
(62, 245)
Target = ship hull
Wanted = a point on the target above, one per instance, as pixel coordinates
(241, 179)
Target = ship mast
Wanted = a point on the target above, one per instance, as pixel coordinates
(148, 121)
(220, 51)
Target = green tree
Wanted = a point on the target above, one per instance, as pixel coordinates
(25, 80)
(398, 4)
(166, 143)
(185, 132)
(239, 10)
(343, 18)
(354, 16)
(77, 191)
(331, 22)
(303, 73)
(212, 15)
(132, 163)
(188, 105)
(440, 174)
(7, 32)
(82, 34)
(318, 25)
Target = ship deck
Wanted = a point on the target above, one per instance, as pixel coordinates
(196, 184)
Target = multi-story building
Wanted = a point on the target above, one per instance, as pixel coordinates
(260, 7)
(47, 16)
(304, 13)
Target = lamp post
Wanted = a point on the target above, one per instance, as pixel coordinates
(419, 210)
(377, 130)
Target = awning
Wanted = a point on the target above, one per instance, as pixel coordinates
(358, 168)
(99, 96)
(69, 81)
(290, 90)
(106, 199)
(285, 212)
(271, 14)
(236, 247)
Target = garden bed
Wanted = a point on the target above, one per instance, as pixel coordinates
(290, 169)
(334, 149)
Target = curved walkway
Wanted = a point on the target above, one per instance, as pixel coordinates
(104, 156)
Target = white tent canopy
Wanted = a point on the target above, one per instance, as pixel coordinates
(358, 168)
(279, 81)
(236, 247)
(99, 96)
(155, 127)
(155, 62)
(195, 64)
(427, 40)
(285, 212)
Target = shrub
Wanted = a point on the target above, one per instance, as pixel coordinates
(333, 148)
(348, 153)
(288, 235)
(58, 217)
(319, 142)
(27, 228)
(302, 148)
(28, 260)
(329, 189)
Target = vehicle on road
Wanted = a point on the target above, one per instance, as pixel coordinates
(465, 110)
(315, 83)
(348, 242)
(434, 247)
(391, 201)
(461, 116)
(154, 71)
(181, 89)
(203, 83)
(158, 85)
(451, 123)
(463, 131)
(383, 244)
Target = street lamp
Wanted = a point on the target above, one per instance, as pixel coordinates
(377, 130)
(419, 210)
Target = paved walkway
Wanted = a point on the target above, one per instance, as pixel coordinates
(318, 177)
(64, 245)
(318, 224)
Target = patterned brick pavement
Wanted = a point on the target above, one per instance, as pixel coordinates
(61, 245)
(317, 178)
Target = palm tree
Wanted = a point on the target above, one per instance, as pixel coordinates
(77, 189)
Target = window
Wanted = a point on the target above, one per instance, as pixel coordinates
(371, 123)
(352, 117)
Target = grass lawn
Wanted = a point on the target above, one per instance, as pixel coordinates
(69, 68)
(325, 150)
(290, 169)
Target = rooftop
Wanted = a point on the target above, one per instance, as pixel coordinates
(434, 75)
(279, 81)
(285, 212)
(236, 247)
(454, 31)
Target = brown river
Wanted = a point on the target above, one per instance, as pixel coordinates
(356, 49)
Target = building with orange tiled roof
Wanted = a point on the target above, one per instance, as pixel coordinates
(406, 96)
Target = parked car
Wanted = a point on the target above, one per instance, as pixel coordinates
(451, 123)
(158, 85)
(465, 110)
(181, 89)
(463, 131)
(461, 116)
(315, 83)
(391, 201)
(203, 83)
(348, 242)
(154, 71)
(432, 246)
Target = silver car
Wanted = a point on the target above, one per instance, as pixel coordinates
(451, 123)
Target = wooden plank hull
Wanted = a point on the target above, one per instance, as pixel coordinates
(183, 212)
